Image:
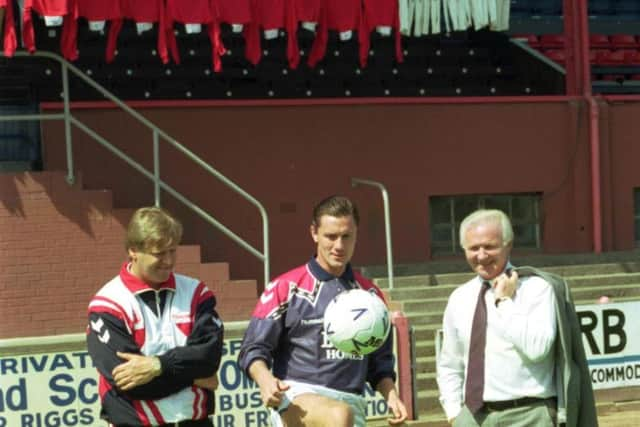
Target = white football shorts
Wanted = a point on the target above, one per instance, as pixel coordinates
(357, 402)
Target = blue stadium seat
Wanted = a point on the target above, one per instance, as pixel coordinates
(521, 7)
(628, 8)
(601, 7)
(547, 7)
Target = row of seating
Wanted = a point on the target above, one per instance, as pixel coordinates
(625, 9)
(599, 57)
(614, 58)
(554, 41)
(455, 64)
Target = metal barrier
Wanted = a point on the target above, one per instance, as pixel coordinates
(158, 135)
(387, 222)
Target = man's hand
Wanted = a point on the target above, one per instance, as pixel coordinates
(210, 383)
(399, 414)
(135, 371)
(398, 410)
(505, 286)
(272, 391)
(271, 388)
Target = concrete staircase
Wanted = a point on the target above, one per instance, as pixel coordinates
(423, 297)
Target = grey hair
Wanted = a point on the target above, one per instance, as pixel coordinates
(487, 216)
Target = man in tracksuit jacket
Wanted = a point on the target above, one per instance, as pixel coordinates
(153, 335)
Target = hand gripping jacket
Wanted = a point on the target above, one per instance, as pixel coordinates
(286, 332)
(179, 324)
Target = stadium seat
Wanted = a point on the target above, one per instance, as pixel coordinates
(552, 41)
(547, 7)
(521, 7)
(621, 41)
(599, 41)
(632, 57)
(556, 55)
(601, 7)
(631, 8)
(609, 58)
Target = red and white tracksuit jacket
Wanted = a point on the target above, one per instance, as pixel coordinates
(177, 323)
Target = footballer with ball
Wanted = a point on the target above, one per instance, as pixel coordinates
(302, 377)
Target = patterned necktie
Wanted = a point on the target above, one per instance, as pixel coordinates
(475, 366)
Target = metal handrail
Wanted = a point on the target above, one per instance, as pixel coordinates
(154, 176)
(387, 222)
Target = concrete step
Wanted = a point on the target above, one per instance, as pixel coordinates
(427, 402)
(424, 317)
(592, 293)
(425, 364)
(426, 332)
(430, 304)
(425, 348)
(426, 381)
(564, 264)
(406, 287)
(574, 274)
(413, 308)
(575, 283)
(605, 280)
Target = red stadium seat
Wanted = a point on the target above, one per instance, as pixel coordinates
(556, 55)
(610, 58)
(599, 41)
(632, 57)
(635, 77)
(620, 41)
(552, 41)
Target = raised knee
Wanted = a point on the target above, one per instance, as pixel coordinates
(339, 415)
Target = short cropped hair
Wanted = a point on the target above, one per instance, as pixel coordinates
(153, 228)
(487, 216)
(336, 206)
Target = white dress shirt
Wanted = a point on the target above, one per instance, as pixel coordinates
(519, 357)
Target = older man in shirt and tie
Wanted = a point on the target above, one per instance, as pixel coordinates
(496, 366)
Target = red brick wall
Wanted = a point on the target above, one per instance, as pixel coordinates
(289, 157)
(59, 244)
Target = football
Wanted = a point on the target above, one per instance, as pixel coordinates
(357, 322)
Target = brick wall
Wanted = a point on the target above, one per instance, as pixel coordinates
(60, 243)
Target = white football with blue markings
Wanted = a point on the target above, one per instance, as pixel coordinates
(357, 322)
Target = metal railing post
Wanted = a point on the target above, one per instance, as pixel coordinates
(158, 133)
(387, 222)
(67, 123)
(156, 168)
(265, 250)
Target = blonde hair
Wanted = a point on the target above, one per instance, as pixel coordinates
(152, 228)
(487, 216)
